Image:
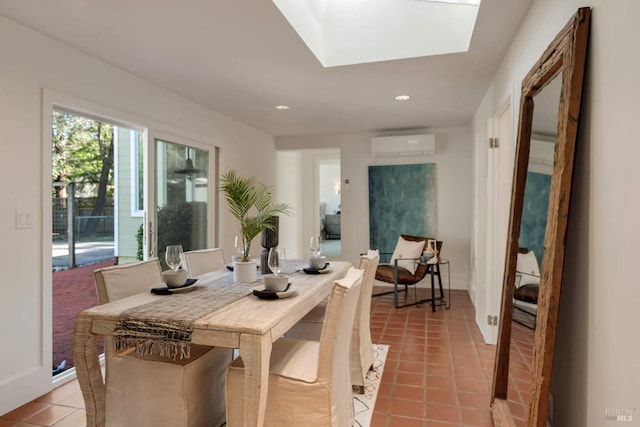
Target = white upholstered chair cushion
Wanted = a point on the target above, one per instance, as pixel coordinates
(361, 358)
(151, 390)
(527, 269)
(202, 261)
(407, 249)
(308, 380)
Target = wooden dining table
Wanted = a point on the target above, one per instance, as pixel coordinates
(249, 324)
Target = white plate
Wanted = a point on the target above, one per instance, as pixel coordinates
(286, 294)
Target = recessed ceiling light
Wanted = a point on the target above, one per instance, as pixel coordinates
(402, 98)
(282, 107)
(469, 2)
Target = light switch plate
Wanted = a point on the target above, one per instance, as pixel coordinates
(24, 220)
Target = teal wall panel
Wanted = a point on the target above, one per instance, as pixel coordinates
(534, 213)
(402, 200)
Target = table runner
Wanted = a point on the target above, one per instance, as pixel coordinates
(165, 326)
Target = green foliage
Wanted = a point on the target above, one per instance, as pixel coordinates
(80, 147)
(245, 196)
(139, 236)
(182, 224)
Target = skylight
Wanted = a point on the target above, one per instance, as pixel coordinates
(471, 2)
(345, 32)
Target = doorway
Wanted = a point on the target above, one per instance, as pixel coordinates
(97, 203)
(329, 193)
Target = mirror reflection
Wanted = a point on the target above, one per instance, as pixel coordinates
(531, 247)
(535, 132)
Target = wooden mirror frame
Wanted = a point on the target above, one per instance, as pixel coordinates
(565, 56)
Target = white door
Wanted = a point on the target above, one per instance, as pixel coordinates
(499, 177)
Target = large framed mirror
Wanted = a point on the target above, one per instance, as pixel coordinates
(547, 128)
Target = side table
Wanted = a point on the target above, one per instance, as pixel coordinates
(434, 271)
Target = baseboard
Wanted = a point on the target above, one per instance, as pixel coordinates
(24, 388)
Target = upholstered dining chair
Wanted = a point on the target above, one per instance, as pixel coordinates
(308, 380)
(202, 261)
(361, 355)
(149, 390)
(406, 269)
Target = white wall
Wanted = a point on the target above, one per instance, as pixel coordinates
(597, 345)
(291, 185)
(30, 63)
(453, 181)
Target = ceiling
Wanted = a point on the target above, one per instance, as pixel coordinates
(242, 57)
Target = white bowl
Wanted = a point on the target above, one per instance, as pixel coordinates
(275, 282)
(317, 263)
(173, 279)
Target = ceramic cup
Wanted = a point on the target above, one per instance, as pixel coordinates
(275, 282)
(318, 262)
(174, 279)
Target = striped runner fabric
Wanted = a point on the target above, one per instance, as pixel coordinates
(164, 326)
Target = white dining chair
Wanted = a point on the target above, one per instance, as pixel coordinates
(308, 380)
(149, 390)
(202, 261)
(361, 358)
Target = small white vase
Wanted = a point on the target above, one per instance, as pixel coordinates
(245, 272)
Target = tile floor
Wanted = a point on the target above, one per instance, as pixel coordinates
(438, 372)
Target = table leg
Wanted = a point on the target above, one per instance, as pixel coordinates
(87, 364)
(437, 267)
(433, 295)
(256, 353)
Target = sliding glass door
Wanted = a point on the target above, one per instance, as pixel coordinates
(182, 196)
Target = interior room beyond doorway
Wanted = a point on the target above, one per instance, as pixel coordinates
(329, 191)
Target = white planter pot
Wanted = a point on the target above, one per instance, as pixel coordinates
(245, 272)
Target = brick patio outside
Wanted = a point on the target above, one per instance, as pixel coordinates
(73, 291)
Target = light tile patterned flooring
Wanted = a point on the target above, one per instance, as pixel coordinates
(438, 372)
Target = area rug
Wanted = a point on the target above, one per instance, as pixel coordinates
(364, 403)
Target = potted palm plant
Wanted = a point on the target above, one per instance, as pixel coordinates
(250, 202)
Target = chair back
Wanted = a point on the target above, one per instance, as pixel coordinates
(335, 339)
(120, 281)
(362, 356)
(202, 261)
(369, 264)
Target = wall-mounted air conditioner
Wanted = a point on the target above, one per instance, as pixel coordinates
(408, 145)
(541, 156)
